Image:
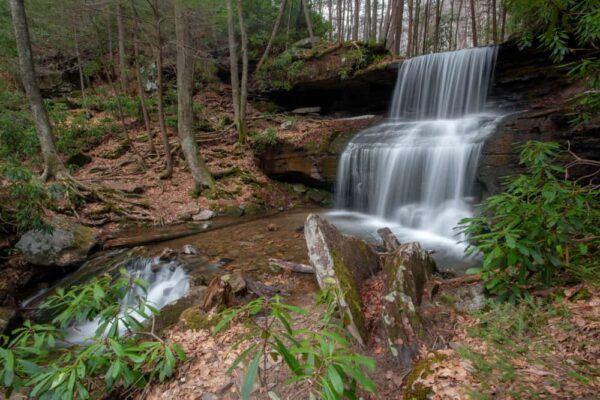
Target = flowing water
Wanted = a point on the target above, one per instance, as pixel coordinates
(415, 173)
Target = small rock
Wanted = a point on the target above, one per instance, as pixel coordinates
(190, 250)
(299, 188)
(167, 254)
(209, 396)
(272, 227)
(236, 281)
(286, 125)
(204, 215)
(307, 110)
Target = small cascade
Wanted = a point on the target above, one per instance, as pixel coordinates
(415, 173)
(167, 282)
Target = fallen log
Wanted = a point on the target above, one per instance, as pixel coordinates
(291, 266)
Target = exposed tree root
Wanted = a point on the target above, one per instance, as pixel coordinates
(120, 203)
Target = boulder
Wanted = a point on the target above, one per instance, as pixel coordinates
(307, 110)
(407, 269)
(66, 245)
(341, 262)
(204, 215)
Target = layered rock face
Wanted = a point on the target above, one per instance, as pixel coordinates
(528, 87)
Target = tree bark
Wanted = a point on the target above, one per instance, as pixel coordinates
(185, 114)
(409, 51)
(367, 27)
(374, 20)
(53, 166)
(233, 65)
(340, 21)
(356, 22)
(460, 6)
(273, 34)
(494, 23)
(417, 16)
(330, 12)
(138, 78)
(473, 23)
(439, 4)
(121, 40)
(399, 25)
(80, 68)
(244, 83)
(502, 31)
(426, 26)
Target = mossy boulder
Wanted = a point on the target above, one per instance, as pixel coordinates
(343, 263)
(196, 319)
(67, 244)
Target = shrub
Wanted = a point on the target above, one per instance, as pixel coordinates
(37, 357)
(321, 357)
(17, 132)
(542, 226)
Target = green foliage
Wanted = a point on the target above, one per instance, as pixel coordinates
(24, 199)
(322, 356)
(558, 26)
(541, 226)
(18, 139)
(37, 358)
(266, 138)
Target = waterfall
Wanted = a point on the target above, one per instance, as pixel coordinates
(415, 173)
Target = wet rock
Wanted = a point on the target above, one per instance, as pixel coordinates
(204, 215)
(286, 125)
(307, 110)
(68, 244)
(167, 255)
(272, 227)
(342, 263)
(188, 249)
(236, 281)
(7, 315)
(407, 269)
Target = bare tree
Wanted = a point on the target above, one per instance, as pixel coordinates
(273, 34)
(185, 114)
(138, 78)
(494, 23)
(53, 166)
(374, 20)
(238, 89)
(308, 21)
(159, 90)
(121, 43)
(426, 26)
(473, 23)
(356, 22)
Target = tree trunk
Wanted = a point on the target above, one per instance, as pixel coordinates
(410, 27)
(426, 26)
(308, 21)
(494, 23)
(109, 27)
(460, 6)
(438, 16)
(367, 27)
(121, 40)
(185, 113)
(356, 22)
(374, 20)
(138, 78)
(233, 65)
(340, 21)
(502, 30)
(451, 25)
(53, 166)
(330, 12)
(244, 83)
(399, 25)
(80, 70)
(159, 83)
(473, 23)
(417, 16)
(273, 34)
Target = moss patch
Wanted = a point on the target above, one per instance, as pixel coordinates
(196, 319)
(414, 390)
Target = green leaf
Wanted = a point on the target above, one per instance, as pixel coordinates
(336, 380)
(250, 377)
(241, 357)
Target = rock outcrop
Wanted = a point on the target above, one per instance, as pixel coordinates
(344, 263)
(66, 245)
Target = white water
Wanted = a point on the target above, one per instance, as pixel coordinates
(415, 173)
(167, 282)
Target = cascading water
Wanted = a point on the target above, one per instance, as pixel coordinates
(167, 282)
(415, 173)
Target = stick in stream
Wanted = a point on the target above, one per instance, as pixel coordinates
(290, 266)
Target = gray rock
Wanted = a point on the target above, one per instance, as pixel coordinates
(286, 125)
(66, 245)
(306, 43)
(307, 110)
(299, 188)
(470, 298)
(188, 249)
(236, 281)
(204, 215)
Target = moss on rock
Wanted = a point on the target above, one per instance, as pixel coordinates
(414, 389)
